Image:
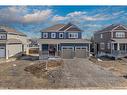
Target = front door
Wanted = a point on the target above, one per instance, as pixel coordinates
(52, 50)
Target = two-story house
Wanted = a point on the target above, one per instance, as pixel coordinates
(12, 43)
(111, 41)
(63, 40)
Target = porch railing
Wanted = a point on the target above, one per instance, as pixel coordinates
(119, 52)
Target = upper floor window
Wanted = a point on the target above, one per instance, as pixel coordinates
(120, 34)
(73, 35)
(2, 36)
(45, 35)
(101, 35)
(53, 35)
(61, 35)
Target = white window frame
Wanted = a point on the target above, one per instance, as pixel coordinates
(101, 36)
(53, 35)
(60, 35)
(120, 34)
(2, 36)
(108, 45)
(102, 46)
(74, 35)
(45, 35)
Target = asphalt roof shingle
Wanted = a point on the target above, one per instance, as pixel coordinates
(62, 27)
(10, 30)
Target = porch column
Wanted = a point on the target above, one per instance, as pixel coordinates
(40, 51)
(57, 49)
(125, 47)
(89, 50)
(112, 47)
(118, 46)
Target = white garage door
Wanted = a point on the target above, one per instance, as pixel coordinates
(81, 52)
(2, 52)
(67, 52)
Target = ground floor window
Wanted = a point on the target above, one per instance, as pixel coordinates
(102, 46)
(122, 46)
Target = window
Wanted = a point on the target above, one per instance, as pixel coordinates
(53, 35)
(120, 34)
(108, 45)
(45, 35)
(101, 35)
(73, 35)
(60, 35)
(102, 46)
(2, 36)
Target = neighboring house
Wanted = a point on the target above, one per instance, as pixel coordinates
(64, 40)
(33, 43)
(111, 41)
(12, 43)
(33, 46)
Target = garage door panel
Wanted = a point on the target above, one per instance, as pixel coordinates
(2, 52)
(67, 52)
(81, 52)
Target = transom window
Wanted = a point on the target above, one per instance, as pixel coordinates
(73, 35)
(120, 34)
(53, 35)
(45, 35)
(60, 35)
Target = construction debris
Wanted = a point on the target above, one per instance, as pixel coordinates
(40, 68)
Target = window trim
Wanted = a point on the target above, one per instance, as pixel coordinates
(62, 35)
(45, 34)
(119, 34)
(53, 36)
(75, 35)
(108, 45)
(101, 36)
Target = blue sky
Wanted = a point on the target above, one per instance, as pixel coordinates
(32, 19)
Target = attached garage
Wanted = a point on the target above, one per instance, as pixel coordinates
(67, 52)
(2, 51)
(81, 52)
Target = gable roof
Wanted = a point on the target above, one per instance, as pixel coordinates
(10, 30)
(62, 28)
(111, 27)
(53, 28)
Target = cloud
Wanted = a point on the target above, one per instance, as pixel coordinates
(37, 16)
(59, 18)
(97, 17)
(76, 13)
(92, 25)
(22, 15)
(11, 14)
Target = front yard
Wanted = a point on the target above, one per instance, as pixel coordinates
(73, 74)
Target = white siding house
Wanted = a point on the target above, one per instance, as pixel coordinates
(12, 43)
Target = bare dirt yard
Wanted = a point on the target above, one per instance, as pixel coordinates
(73, 74)
(118, 67)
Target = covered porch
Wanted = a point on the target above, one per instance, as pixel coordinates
(119, 48)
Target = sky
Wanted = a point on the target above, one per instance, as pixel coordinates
(31, 19)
